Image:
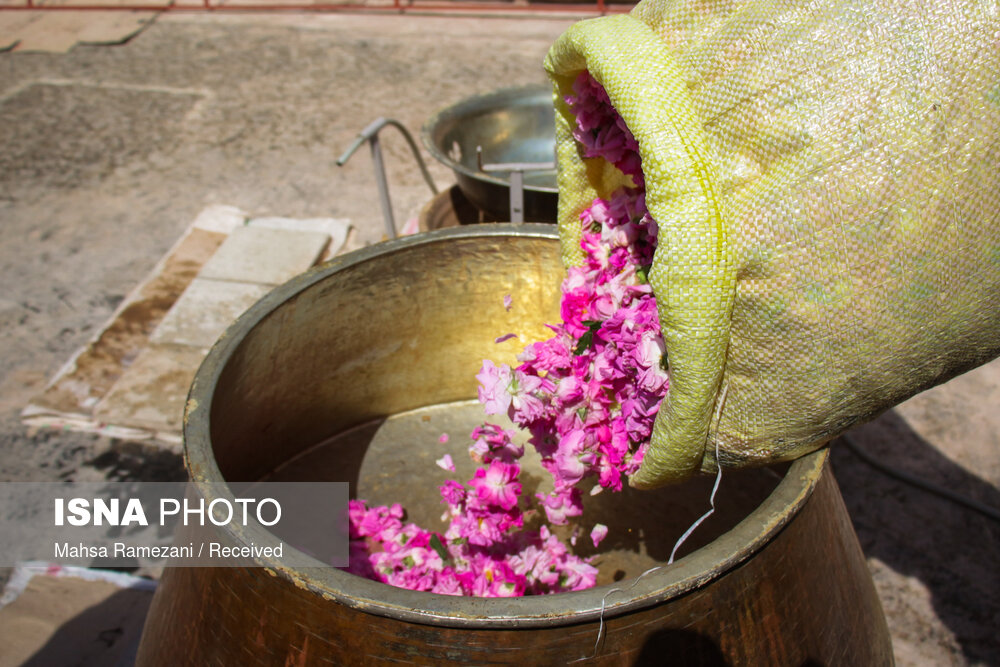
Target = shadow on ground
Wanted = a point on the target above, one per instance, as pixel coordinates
(127, 461)
(106, 633)
(951, 550)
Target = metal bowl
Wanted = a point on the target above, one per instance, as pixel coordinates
(511, 125)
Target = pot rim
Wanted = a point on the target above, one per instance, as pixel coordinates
(481, 101)
(652, 587)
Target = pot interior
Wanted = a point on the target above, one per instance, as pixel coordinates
(353, 372)
(393, 460)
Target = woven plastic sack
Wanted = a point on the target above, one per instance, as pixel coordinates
(826, 180)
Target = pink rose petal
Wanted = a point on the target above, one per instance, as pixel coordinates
(446, 463)
(599, 532)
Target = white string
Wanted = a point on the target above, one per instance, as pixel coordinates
(600, 628)
(711, 502)
(670, 561)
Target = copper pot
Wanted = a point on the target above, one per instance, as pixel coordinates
(349, 371)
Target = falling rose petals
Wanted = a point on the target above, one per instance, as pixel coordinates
(494, 389)
(598, 533)
(585, 399)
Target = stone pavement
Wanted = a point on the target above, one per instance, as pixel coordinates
(131, 380)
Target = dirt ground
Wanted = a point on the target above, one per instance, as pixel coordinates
(109, 152)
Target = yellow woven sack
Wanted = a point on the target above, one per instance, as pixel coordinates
(826, 180)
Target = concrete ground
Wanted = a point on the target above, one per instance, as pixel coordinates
(109, 152)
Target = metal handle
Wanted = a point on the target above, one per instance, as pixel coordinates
(516, 170)
(370, 134)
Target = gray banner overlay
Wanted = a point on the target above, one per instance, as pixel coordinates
(149, 524)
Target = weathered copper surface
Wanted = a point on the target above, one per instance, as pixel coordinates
(402, 326)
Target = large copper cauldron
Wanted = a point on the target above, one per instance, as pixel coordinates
(352, 371)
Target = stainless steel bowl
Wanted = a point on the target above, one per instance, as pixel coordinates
(511, 125)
